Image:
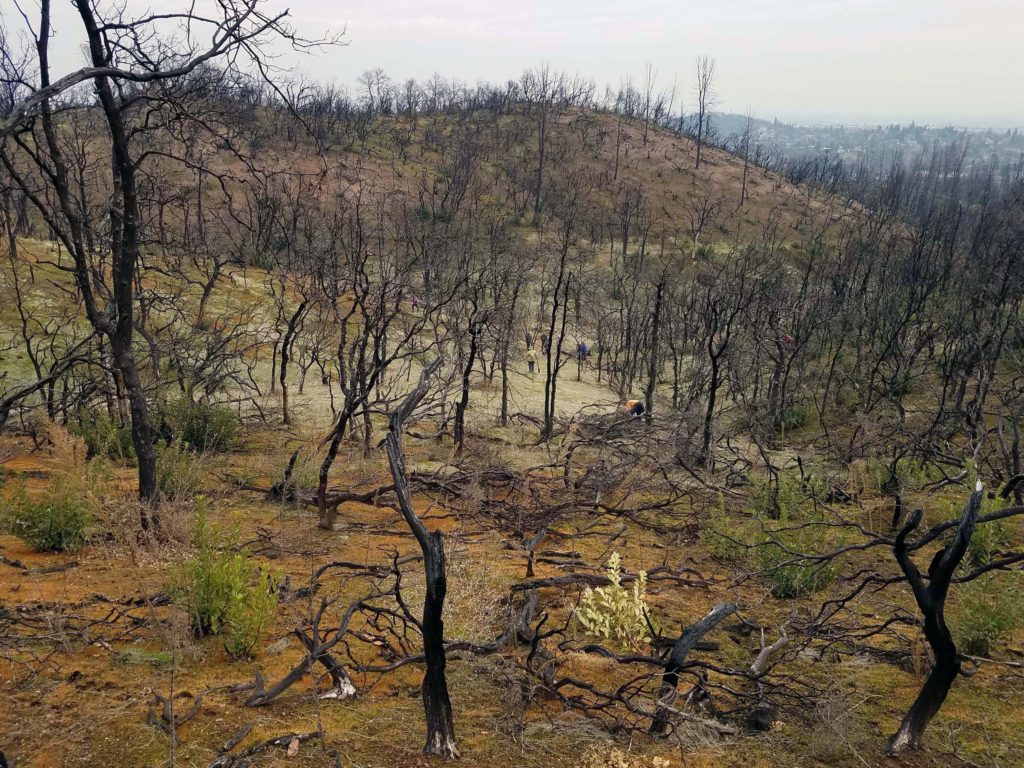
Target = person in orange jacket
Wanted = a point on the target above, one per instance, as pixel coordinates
(635, 407)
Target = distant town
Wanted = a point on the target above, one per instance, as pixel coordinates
(851, 143)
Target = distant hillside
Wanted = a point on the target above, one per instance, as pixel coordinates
(409, 158)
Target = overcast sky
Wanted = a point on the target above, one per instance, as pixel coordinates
(864, 61)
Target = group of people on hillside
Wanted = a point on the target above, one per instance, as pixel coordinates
(582, 352)
(635, 408)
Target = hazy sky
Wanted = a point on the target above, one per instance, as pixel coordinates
(946, 61)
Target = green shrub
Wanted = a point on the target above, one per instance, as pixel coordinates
(790, 575)
(201, 426)
(874, 476)
(848, 399)
(794, 417)
(263, 259)
(902, 387)
(705, 252)
(724, 537)
(989, 608)
(305, 472)
(56, 521)
(179, 472)
(224, 592)
(986, 542)
(248, 618)
(786, 499)
(615, 612)
(105, 437)
(139, 655)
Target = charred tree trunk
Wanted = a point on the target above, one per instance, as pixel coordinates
(709, 414)
(775, 391)
(459, 431)
(286, 350)
(541, 140)
(553, 355)
(503, 366)
(142, 432)
(125, 238)
(436, 705)
(677, 657)
(931, 600)
(653, 362)
(328, 513)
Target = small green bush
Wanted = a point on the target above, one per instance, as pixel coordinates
(223, 590)
(902, 387)
(305, 472)
(614, 612)
(986, 542)
(179, 472)
(989, 608)
(105, 437)
(201, 426)
(874, 476)
(705, 252)
(725, 538)
(794, 417)
(787, 499)
(848, 398)
(248, 618)
(139, 655)
(56, 521)
(789, 574)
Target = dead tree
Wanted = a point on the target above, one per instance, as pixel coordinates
(931, 600)
(930, 591)
(131, 70)
(705, 100)
(702, 210)
(677, 657)
(459, 431)
(286, 349)
(748, 130)
(436, 705)
(654, 362)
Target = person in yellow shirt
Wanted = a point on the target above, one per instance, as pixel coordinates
(531, 359)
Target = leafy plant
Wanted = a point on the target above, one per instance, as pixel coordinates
(105, 437)
(248, 617)
(785, 499)
(986, 542)
(140, 655)
(792, 575)
(305, 472)
(989, 608)
(224, 592)
(725, 538)
(201, 426)
(794, 417)
(875, 476)
(615, 612)
(58, 519)
(178, 472)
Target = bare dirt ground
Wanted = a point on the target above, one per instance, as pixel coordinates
(87, 640)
